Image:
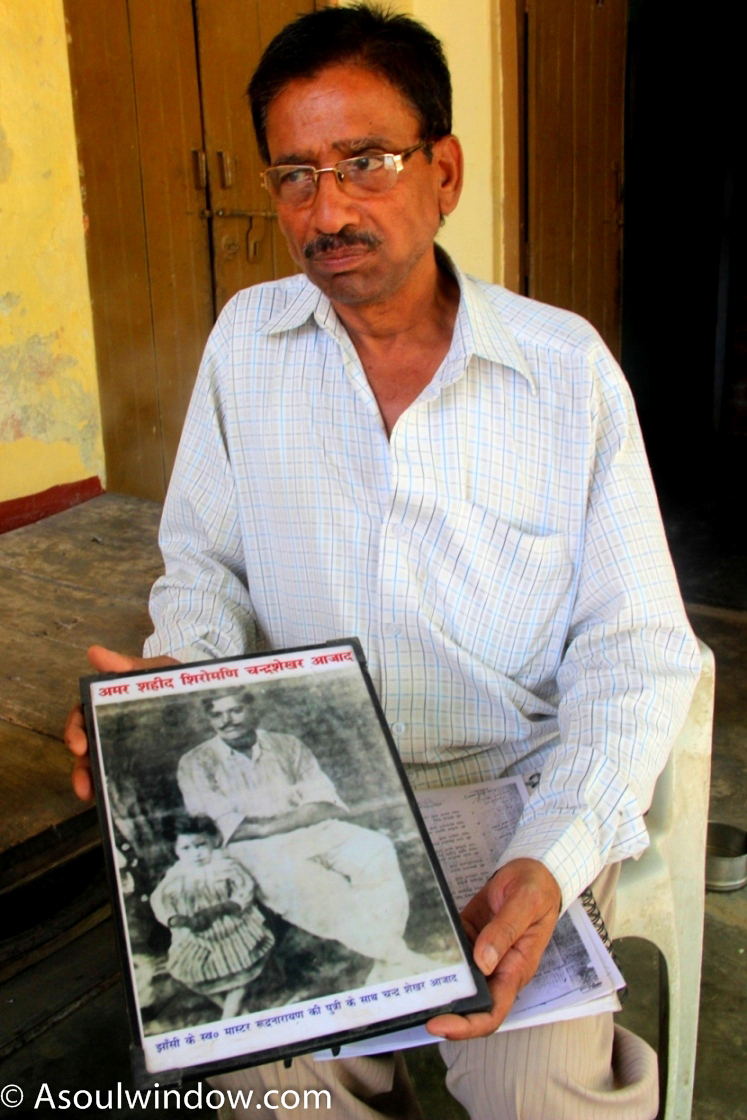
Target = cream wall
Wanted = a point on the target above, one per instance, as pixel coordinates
(473, 33)
(50, 427)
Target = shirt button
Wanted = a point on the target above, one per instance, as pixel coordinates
(399, 728)
(399, 531)
(392, 630)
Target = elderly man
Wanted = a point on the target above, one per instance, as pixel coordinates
(385, 447)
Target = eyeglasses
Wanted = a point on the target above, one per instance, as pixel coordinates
(295, 184)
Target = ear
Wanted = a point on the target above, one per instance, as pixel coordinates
(448, 159)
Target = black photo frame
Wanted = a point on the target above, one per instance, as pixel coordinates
(274, 888)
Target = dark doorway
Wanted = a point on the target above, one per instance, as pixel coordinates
(684, 294)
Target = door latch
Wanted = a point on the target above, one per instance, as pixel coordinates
(257, 227)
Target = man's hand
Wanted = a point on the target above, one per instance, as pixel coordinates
(103, 661)
(509, 922)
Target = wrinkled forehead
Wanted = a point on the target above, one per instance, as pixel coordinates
(338, 109)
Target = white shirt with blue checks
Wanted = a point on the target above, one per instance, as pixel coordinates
(500, 557)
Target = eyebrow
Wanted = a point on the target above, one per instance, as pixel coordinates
(362, 144)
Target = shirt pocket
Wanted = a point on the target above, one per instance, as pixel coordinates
(498, 593)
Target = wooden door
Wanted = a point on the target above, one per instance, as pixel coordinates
(167, 96)
(176, 218)
(247, 245)
(574, 136)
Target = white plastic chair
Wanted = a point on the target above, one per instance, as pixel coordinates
(661, 896)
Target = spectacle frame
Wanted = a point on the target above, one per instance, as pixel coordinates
(295, 184)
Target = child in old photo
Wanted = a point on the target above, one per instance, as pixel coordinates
(220, 940)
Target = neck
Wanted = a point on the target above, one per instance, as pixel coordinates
(401, 341)
(243, 747)
(425, 306)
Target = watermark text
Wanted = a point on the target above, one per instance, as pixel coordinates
(201, 1096)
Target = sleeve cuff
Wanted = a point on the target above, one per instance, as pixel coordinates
(565, 847)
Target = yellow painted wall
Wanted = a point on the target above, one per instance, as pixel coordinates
(480, 234)
(50, 426)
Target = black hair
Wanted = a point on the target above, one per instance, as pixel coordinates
(242, 697)
(182, 824)
(396, 47)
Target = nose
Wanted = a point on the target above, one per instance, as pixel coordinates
(332, 207)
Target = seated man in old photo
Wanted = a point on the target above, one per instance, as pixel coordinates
(282, 819)
(387, 448)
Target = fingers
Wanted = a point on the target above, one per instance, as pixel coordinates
(513, 918)
(75, 732)
(82, 780)
(77, 742)
(523, 902)
(516, 967)
(108, 661)
(103, 661)
(504, 985)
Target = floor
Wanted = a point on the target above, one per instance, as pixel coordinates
(68, 1009)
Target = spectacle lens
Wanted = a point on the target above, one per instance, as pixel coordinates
(296, 184)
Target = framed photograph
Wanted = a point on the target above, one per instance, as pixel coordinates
(274, 887)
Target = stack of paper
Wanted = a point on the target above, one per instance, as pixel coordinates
(470, 827)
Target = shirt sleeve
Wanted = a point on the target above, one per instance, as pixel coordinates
(201, 607)
(243, 887)
(309, 784)
(161, 901)
(630, 667)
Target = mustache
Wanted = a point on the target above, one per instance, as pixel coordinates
(329, 242)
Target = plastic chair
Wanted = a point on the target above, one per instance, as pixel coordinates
(661, 896)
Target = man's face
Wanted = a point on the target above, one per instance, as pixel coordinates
(232, 719)
(385, 238)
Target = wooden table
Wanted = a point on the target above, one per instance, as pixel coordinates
(80, 577)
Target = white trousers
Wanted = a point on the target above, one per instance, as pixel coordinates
(588, 1069)
(330, 879)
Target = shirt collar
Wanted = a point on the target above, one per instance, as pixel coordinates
(479, 328)
(225, 749)
(300, 307)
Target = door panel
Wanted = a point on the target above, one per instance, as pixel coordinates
(165, 141)
(575, 58)
(170, 129)
(104, 104)
(248, 247)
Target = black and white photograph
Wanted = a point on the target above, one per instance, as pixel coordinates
(267, 858)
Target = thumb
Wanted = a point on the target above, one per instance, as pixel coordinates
(108, 661)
